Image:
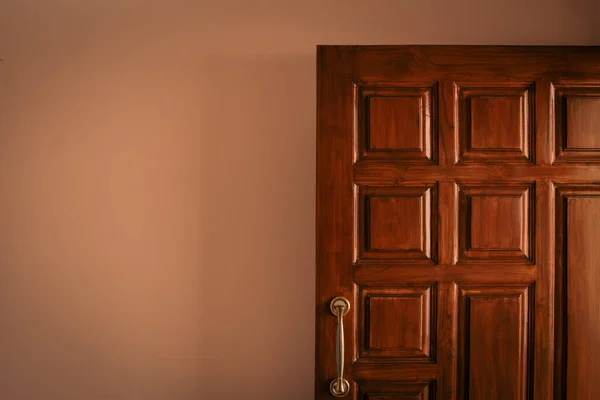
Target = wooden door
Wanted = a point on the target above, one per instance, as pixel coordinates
(458, 211)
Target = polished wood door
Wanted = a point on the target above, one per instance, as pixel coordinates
(458, 211)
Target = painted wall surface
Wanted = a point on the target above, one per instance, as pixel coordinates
(157, 175)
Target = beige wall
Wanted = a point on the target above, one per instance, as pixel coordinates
(157, 183)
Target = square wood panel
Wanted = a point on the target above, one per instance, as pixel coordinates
(396, 324)
(397, 224)
(397, 123)
(495, 122)
(577, 123)
(396, 390)
(496, 223)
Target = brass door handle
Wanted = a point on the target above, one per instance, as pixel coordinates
(339, 387)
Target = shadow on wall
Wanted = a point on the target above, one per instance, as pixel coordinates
(258, 159)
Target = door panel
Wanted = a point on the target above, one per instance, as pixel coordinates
(397, 224)
(495, 223)
(577, 110)
(397, 391)
(494, 340)
(495, 121)
(397, 123)
(396, 324)
(578, 281)
(458, 208)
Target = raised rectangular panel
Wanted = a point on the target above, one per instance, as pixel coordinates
(495, 122)
(577, 123)
(395, 324)
(403, 313)
(582, 118)
(490, 116)
(577, 292)
(495, 331)
(396, 390)
(397, 123)
(496, 223)
(386, 231)
(397, 223)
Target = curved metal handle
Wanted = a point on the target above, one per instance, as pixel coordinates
(339, 387)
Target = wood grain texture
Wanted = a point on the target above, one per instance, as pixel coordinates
(578, 284)
(396, 324)
(494, 342)
(544, 293)
(480, 219)
(496, 122)
(334, 191)
(397, 224)
(582, 120)
(397, 123)
(495, 223)
(577, 119)
(396, 391)
(405, 314)
(389, 174)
